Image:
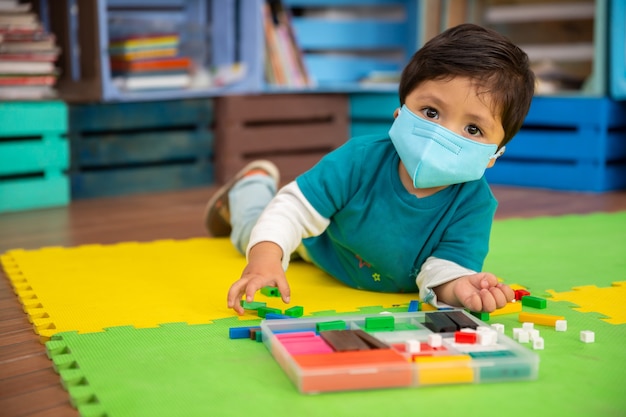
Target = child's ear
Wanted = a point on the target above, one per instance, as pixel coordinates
(396, 112)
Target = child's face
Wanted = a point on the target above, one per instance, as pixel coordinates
(459, 105)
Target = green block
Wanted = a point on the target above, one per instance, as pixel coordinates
(481, 315)
(382, 322)
(534, 302)
(330, 325)
(262, 311)
(254, 305)
(270, 291)
(295, 311)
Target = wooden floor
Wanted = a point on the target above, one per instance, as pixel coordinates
(28, 384)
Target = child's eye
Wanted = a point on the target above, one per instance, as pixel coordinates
(473, 130)
(430, 113)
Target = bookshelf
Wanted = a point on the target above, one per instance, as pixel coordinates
(220, 39)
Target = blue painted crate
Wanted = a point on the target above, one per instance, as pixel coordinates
(617, 55)
(361, 37)
(127, 148)
(34, 155)
(573, 143)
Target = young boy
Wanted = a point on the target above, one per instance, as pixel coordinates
(406, 212)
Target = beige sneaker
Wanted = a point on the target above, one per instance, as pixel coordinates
(217, 211)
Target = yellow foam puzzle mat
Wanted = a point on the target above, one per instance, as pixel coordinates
(92, 287)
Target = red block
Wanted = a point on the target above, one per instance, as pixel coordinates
(465, 337)
(521, 293)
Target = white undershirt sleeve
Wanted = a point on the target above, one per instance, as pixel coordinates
(287, 219)
(434, 272)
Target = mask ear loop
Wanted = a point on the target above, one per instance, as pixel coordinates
(498, 154)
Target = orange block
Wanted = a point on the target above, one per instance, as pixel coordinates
(376, 368)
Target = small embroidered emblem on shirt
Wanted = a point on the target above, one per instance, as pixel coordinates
(376, 276)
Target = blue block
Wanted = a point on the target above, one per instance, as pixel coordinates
(414, 305)
(240, 332)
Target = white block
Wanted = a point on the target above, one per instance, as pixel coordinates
(435, 340)
(587, 336)
(533, 334)
(528, 326)
(560, 325)
(498, 327)
(538, 343)
(516, 332)
(412, 346)
(523, 337)
(487, 338)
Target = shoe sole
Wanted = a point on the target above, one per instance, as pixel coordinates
(211, 211)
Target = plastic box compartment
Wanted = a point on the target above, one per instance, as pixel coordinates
(214, 33)
(34, 155)
(314, 367)
(128, 148)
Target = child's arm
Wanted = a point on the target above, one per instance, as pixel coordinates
(443, 281)
(264, 268)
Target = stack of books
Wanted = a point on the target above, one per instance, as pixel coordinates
(27, 54)
(149, 62)
(284, 65)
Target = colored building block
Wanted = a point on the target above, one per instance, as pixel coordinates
(295, 311)
(439, 322)
(560, 325)
(521, 293)
(481, 315)
(457, 369)
(275, 316)
(587, 336)
(378, 323)
(534, 302)
(465, 337)
(344, 340)
(461, 320)
(541, 319)
(262, 311)
(330, 325)
(373, 342)
(253, 305)
(414, 305)
(270, 291)
(240, 332)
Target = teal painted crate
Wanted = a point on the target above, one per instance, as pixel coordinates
(128, 148)
(34, 155)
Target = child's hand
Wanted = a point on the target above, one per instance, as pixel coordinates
(264, 269)
(477, 292)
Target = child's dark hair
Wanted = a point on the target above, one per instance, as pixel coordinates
(468, 50)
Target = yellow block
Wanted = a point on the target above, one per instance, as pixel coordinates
(436, 370)
(509, 308)
(543, 319)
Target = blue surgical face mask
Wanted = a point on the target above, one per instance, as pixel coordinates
(435, 156)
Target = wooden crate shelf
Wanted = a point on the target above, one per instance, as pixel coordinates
(126, 148)
(34, 155)
(292, 130)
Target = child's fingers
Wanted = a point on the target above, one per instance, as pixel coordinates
(498, 296)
